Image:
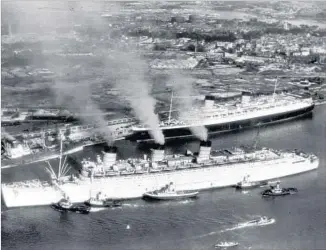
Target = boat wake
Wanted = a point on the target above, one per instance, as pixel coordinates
(97, 209)
(238, 226)
(174, 203)
(130, 205)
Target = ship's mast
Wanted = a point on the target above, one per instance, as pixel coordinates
(170, 111)
(63, 168)
(275, 85)
(60, 156)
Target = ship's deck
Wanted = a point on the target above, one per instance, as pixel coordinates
(181, 162)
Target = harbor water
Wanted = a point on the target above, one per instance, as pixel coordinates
(189, 224)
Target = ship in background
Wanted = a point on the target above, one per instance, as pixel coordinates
(132, 178)
(247, 112)
(17, 116)
(30, 147)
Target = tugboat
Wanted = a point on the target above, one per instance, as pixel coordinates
(278, 191)
(246, 184)
(101, 201)
(225, 244)
(64, 205)
(169, 193)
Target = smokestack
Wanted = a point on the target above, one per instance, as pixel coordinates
(209, 102)
(204, 151)
(109, 156)
(245, 98)
(158, 153)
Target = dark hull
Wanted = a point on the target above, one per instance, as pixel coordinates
(75, 208)
(52, 118)
(226, 127)
(106, 205)
(285, 191)
(10, 123)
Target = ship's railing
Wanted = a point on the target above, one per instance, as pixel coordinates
(193, 167)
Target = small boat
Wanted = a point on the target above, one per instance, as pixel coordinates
(246, 184)
(169, 193)
(101, 201)
(225, 244)
(259, 222)
(64, 205)
(278, 191)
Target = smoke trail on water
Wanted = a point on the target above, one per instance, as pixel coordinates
(182, 87)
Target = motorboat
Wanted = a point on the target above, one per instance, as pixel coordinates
(260, 222)
(225, 244)
(278, 191)
(169, 193)
(101, 201)
(64, 205)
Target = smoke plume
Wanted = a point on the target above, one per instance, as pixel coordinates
(5, 134)
(55, 22)
(78, 98)
(129, 71)
(183, 90)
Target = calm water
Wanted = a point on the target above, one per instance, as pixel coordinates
(300, 219)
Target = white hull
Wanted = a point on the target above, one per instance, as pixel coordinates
(134, 186)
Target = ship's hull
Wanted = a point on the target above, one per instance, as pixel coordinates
(226, 126)
(103, 204)
(134, 186)
(75, 208)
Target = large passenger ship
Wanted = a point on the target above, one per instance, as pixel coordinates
(247, 112)
(131, 178)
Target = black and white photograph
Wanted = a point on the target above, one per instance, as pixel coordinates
(166, 125)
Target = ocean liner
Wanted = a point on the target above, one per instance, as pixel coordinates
(248, 112)
(131, 178)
